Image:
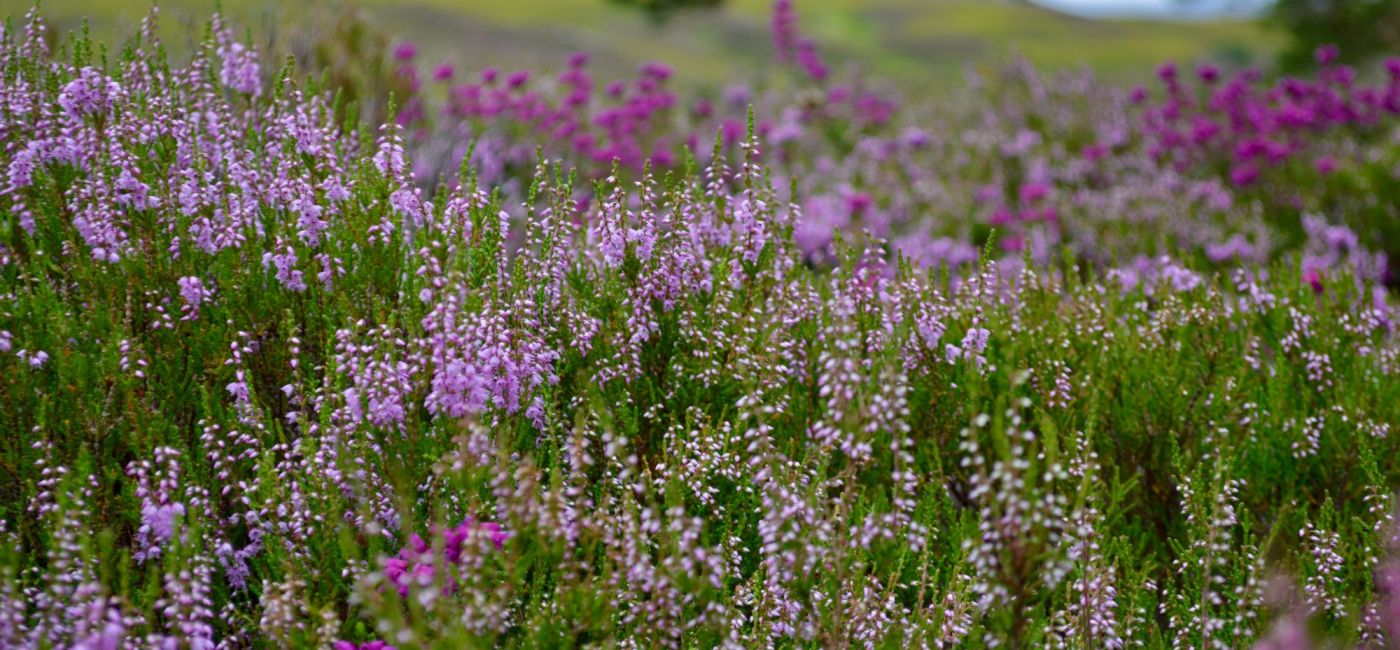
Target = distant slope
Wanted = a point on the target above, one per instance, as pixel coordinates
(923, 44)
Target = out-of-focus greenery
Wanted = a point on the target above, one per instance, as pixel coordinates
(919, 44)
(662, 10)
(1363, 28)
(333, 39)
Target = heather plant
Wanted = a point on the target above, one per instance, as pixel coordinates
(266, 385)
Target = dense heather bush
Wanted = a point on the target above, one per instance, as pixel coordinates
(262, 389)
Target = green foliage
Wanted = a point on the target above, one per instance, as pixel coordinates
(661, 10)
(1362, 29)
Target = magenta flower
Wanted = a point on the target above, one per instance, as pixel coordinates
(368, 645)
(1167, 72)
(858, 203)
(657, 71)
(1208, 73)
(1244, 175)
(1392, 68)
(1327, 54)
(1034, 192)
(416, 566)
(1314, 280)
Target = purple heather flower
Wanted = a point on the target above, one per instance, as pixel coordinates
(657, 71)
(1392, 68)
(405, 51)
(240, 69)
(416, 566)
(1314, 280)
(192, 290)
(1236, 248)
(1034, 192)
(857, 203)
(110, 637)
(784, 27)
(1244, 175)
(368, 645)
(1327, 54)
(285, 263)
(1326, 165)
(91, 92)
(810, 60)
(160, 520)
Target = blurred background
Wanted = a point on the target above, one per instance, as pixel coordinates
(922, 45)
